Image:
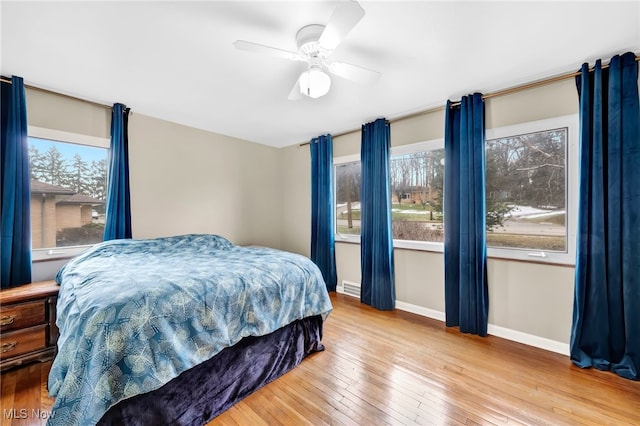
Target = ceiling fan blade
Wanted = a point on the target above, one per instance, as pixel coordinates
(353, 73)
(345, 16)
(295, 93)
(259, 48)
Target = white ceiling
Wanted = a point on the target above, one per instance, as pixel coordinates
(175, 60)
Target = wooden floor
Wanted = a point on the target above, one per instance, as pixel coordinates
(397, 368)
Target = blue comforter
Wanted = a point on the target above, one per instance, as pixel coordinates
(134, 314)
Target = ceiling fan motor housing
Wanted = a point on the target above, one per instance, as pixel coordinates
(307, 41)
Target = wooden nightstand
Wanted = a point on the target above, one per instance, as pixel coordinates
(28, 329)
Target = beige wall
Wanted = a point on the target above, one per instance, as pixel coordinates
(183, 180)
(295, 186)
(529, 298)
(51, 111)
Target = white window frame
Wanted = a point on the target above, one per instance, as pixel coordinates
(570, 122)
(54, 253)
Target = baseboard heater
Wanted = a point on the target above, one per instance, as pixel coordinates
(350, 289)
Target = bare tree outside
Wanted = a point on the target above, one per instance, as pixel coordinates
(526, 190)
(416, 184)
(525, 193)
(348, 179)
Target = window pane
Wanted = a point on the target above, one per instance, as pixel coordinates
(526, 191)
(416, 196)
(68, 193)
(348, 198)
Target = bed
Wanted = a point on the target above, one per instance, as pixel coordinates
(175, 330)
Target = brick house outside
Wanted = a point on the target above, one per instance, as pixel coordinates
(54, 208)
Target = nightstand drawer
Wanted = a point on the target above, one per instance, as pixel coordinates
(28, 329)
(23, 315)
(22, 341)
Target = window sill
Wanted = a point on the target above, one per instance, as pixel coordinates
(534, 261)
(439, 248)
(58, 253)
(398, 244)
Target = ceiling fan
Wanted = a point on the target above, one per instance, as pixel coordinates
(315, 44)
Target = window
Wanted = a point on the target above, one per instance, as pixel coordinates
(68, 191)
(416, 195)
(531, 178)
(417, 173)
(530, 190)
(347, 181)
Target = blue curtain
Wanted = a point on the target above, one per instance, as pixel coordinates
(376, 239)
(118, 224)
(16, 190)
(322, 209)
(606, 312)
(465, 248)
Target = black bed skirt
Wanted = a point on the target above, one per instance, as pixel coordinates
(203, 392)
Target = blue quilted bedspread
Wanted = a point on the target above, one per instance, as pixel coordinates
(134, 314)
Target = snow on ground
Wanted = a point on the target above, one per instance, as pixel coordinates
(525, 212)
(410, 211)
(354, 206)
(532, 212)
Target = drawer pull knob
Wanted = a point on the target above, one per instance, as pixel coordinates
(7, 320)
(7, 347)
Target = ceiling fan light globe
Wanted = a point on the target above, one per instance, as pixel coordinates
(314, 83)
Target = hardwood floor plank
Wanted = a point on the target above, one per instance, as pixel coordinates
(8, 387)
(238, 416)
(313, 386)
(24, 410)
(393, 368)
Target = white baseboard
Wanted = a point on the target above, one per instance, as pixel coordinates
(419, 310)
(529, 339)
(494, 330)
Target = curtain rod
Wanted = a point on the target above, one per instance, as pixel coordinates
(487, 96)
(537, 83)
(75, 98)
(390, 121)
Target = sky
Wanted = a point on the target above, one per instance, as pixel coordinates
(68, 150)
